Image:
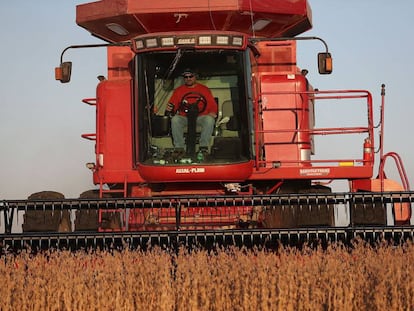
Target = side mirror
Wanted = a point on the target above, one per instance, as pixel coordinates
(324, 63)
(63, 72)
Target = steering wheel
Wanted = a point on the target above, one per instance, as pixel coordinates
(193, 100)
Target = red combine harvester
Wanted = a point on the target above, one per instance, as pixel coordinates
(261, 178)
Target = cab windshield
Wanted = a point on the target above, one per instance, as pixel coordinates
(158, 74)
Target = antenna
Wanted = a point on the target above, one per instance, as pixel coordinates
(211, 16)
(251, 19)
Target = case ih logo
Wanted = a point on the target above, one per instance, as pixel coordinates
(190, 170)
(315, 171)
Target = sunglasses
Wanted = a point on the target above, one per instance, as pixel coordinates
(188, 77)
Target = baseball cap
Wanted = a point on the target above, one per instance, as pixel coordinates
(187, 71)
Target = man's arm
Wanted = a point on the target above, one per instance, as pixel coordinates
(212, 107)
(172, 105)
(169, 110)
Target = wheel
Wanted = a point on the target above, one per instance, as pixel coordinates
(371, 214)
(293, 216)
(279, 217)
(315, 215)
(193, 100)
(88, 219)
(47, 219)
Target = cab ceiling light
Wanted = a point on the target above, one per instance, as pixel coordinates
(151, 42)
(118, 29)
(260, 24)
(167, 41)
(237, 41)
(139, 44)
(222, 40)
(204, 40)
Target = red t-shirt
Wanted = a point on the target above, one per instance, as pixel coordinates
(197, 88)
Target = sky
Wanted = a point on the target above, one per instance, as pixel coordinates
(42, 120)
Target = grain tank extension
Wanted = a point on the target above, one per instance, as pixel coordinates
(267, 173)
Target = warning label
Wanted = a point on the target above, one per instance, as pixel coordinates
(190, 170)
(315, 171)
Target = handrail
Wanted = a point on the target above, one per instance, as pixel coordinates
(90, 102)
(400, 167)
(362, 96)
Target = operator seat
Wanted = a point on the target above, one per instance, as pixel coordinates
(227, 111)
(230, 127)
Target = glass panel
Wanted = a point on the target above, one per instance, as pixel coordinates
(159, 75)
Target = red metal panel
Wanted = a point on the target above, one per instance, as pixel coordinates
(193, 218)
(156, 6)
(331, 172)
(285, 118)
(114, 138)
(197, 172)
(118, 62)
(286, 18)
(114, 133)
(117, 126)
(277, 57)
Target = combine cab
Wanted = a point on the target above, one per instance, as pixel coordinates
(262, 177)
